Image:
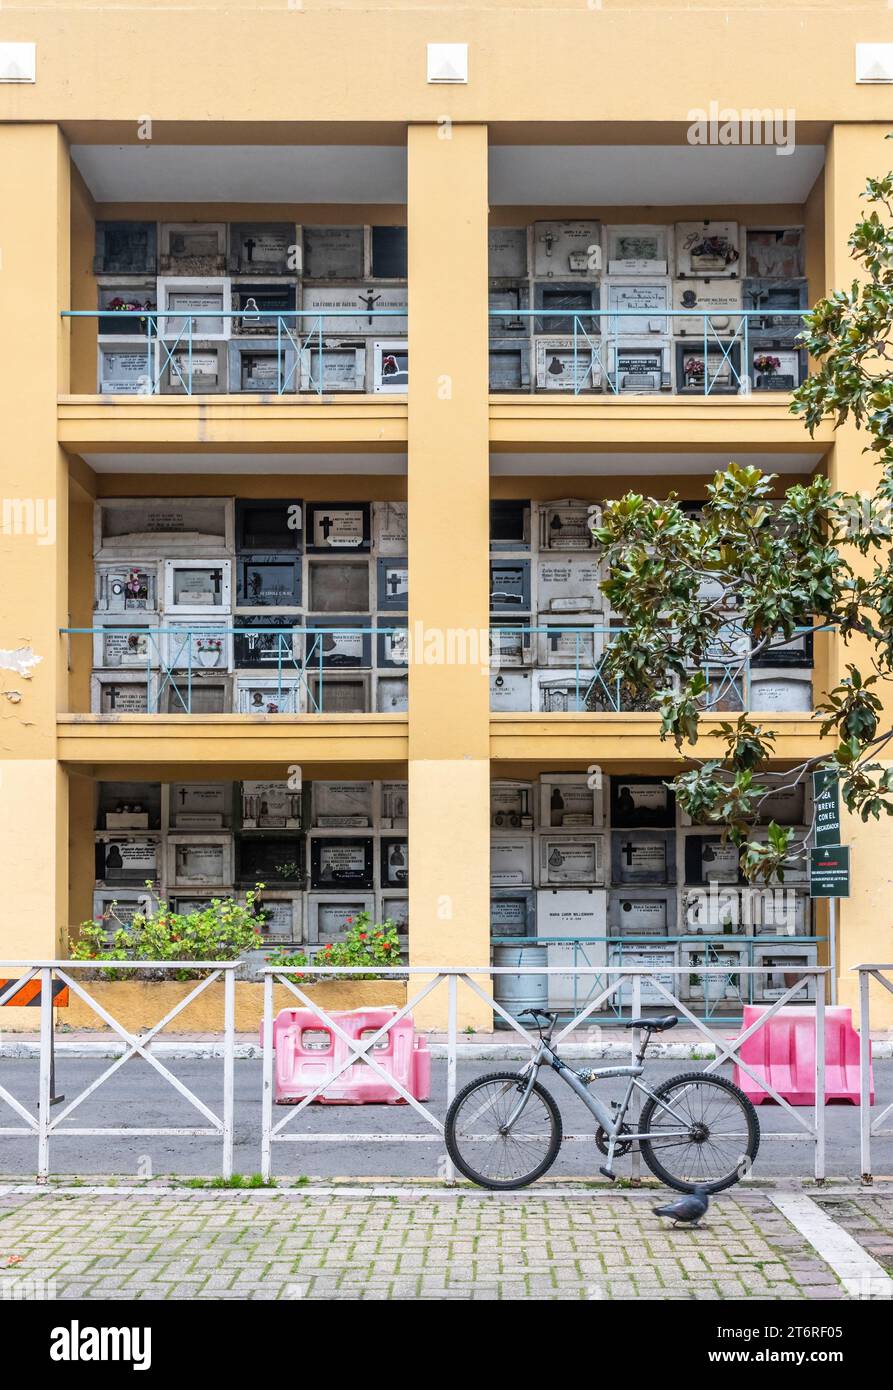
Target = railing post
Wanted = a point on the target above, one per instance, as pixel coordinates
(267, 1096)
(449, 1172)
(44, 1099)
(865, 1077)
(635, 1156)
(229, 1040)
(819, 1079)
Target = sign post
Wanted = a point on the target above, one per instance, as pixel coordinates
(829, 862)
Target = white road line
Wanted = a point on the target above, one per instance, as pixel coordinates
(861, 1276)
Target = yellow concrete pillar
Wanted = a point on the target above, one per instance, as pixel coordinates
(34, 280)
(855, 153)
(448, 493)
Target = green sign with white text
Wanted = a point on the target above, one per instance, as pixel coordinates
(826, 797)
(829, 872)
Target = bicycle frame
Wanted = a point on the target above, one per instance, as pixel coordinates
(610, 1120)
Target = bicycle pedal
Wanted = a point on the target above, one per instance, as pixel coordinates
(607, 1173)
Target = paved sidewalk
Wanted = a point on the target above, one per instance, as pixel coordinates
(290, 1244)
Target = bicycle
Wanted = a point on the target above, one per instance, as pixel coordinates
(679, 1121)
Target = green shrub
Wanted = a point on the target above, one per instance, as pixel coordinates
(364, 944)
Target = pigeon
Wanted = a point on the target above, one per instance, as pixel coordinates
(689, 1209)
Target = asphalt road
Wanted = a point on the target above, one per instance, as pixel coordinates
(138, 1096)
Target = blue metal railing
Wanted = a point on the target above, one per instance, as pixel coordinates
(297, 336)
(583, 675)
(296, 659)
(729, 348)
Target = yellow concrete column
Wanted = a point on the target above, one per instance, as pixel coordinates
(855, 153)
(34, 280)
(448, 492)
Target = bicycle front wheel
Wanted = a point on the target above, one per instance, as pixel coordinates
(704, 1132)
(477, 1144)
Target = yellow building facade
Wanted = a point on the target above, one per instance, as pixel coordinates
(321, 115)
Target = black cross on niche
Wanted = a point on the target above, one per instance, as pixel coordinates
(249, 244)
(326, 523)
(394, 582)
(629, 849)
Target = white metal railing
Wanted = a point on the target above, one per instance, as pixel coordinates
(45, 1127)
(433, 977)
(869, 1128)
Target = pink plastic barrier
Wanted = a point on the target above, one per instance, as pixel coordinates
(307, 1051)
(783, 1053)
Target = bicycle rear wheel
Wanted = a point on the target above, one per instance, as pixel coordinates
(482, 1152)
(706, 1132)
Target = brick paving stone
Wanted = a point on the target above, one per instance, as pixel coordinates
(284, 1244)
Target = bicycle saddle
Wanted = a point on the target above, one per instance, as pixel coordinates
(657, 1025)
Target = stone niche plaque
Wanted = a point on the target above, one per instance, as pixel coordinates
(392, 584)
(392, 643)
(510, 644)
(131, 642)
(333, 253)
(640, 369)
(203, 372)
(714, 988)
(512, 914)
(330, 917)
(715, 911)
(637, 250)
(395, 805)
(268, 695)
(507, 253)
(643, 856)
(723, 369)
(511, 805)
(509, 586)
(338, 640)
(124, 693)
(570, 693)
(338, 693)
(568, 802)
(780, 305)
(776, 252)
(341, 862)
(203, 694)
(577, 913)
(567, 524)
(202, 302)
(125, 248)
(200, 805)
(642, 912)
(341, 805)
(642, 801)
(566, 247)
(722, 299)
(782, 690)
(197, 861)
(511, 692)
(197, 586)
(268, 581)
(266, 641)
(560, 368)
(262, 248)
(280, 916)
(390, 365)
(123, 588)
(338, 526)
(710, 860)
(259, 304)
(270, 806)
(339, 365)
(569, 584)
(162, 525)
(781, 969)
(116, 909)
(338, 586)
(509, 368)
(192, 248)
(124, 370)
(361, 309)
(571, 305)
(390, 521)
(126, 859)
(511, 861)
(505, 316)
(707, 249)
(634, 308)
(263, 366)
(571, 859)
(394, 862)
(658, 961)
(777, 368)
(269, 524)
(564, 643)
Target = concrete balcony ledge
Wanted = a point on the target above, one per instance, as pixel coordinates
(618, 741)
(331, 739)
(259, 422)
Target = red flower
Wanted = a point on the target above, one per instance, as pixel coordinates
(362, 936)
(349, 921)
